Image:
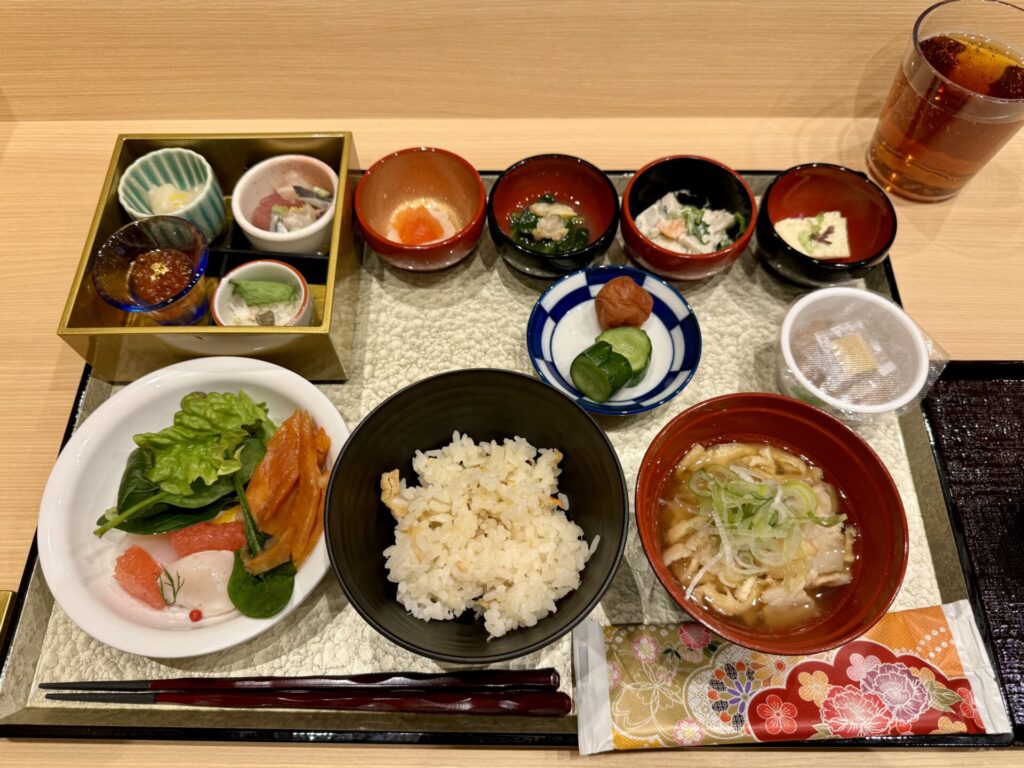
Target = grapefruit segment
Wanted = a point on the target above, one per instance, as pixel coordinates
(203, 537)
(138, 574)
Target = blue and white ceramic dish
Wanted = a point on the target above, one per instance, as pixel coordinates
(185, 169)
(564, 323)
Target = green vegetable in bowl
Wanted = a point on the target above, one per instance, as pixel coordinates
(256, 293)
(547, 226)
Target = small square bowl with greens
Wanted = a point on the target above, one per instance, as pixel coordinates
(263, 293)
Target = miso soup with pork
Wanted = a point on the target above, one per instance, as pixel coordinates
(755, 533)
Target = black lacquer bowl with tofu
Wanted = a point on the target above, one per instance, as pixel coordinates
(821, 225)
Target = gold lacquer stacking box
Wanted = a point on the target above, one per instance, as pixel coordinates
(122, 346)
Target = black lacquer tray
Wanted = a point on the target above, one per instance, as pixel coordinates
(938, 448)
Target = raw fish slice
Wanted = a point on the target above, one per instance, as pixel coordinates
(307, 502)
(277, 552)
(318, 522)
(261, 215)
(323, 445)
(308, 195)
(204, 581)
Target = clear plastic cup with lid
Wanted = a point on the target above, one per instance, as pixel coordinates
(853, 353)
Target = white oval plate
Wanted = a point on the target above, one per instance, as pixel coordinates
(79, 567)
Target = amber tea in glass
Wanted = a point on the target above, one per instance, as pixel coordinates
(957, 99)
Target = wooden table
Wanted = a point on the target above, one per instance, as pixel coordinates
(956, 265)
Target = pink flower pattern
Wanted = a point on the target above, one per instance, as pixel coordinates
(968, 707)
(779, 716)
(688, 733)
(850, 713)
(903, 694)
(614, 675)
(863, 689)
(861, 665)
(694, 635)
(645, 649)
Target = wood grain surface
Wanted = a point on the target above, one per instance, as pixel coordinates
(67, 59)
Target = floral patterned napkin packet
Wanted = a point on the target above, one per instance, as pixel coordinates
(923, 671)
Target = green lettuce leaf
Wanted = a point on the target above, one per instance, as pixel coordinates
(205, 441)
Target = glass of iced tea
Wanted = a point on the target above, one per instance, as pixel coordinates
(155, 266)
(957, 99)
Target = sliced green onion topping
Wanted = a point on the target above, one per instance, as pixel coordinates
(757, 520)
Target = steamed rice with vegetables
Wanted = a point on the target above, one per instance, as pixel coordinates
(485, 530)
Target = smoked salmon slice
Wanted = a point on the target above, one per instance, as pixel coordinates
(292, 514)
(276, 474)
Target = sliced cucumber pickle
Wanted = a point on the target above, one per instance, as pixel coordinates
(633, 344)
(599, 371)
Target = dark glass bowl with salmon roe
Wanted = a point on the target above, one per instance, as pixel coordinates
(155, 266)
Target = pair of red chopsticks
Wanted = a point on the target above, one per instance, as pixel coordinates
(474, 692)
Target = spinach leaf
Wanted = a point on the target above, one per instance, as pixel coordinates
(172, 519)
(135, 486)
(144, 509)
(263, 596)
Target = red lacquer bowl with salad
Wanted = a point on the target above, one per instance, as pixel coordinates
(686, 217)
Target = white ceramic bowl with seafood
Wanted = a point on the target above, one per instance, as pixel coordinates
(283, 173)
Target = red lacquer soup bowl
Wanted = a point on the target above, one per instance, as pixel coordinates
(869, 498)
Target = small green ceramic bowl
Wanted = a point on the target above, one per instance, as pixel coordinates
(189, 173)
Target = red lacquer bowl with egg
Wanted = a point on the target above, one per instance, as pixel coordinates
(864, 492)
(421, 209)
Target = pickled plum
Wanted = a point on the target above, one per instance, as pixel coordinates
(622, 302)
